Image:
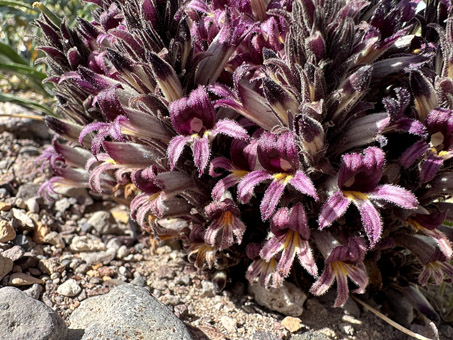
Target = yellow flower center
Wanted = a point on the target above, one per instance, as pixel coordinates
(282, 177)
(355, 195)
(339, 268)
(239, 173)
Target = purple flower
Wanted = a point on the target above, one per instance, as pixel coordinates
(279, 157)
(194, 119)
(200, 253)
(290, 235)
(428, 224)
(341, 262)
(439, 124)
(265, 271)
(225, 224)
(358, 182)
(434, 263)
(243, 159)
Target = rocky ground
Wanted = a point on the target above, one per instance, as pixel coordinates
(69, 254)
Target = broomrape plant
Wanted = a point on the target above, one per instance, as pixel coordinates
(258, 132)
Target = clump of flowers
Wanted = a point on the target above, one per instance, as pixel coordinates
(303, 137)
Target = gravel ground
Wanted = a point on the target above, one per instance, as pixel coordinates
(80, 246)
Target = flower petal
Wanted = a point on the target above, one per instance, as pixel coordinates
(430, 167)
(334, 208)
(248, 183)
(175, 148)
(230, 128)
(201, 153)
(324, 282)
(371, 220)
(395, 194)
(271, 198)
(303, 184)
(223, 184)
(413, 153)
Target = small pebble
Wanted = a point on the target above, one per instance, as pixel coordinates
(228, 323)
(69, 288)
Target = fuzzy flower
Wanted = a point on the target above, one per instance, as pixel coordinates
(194, 119)
(225, 224)
(279, 157)
(290, 235)
(358, 182)
(341, 262)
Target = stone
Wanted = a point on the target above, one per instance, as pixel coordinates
(6, 265)
(25, 221)
(228, 323)
(23, 241)
(207, 289)
(34, 291)
(54, 239)
(4, 206)
(87, 243)
(62, 204)
(27, 191)
(292, 324)
(22, 317)
(51, 265)
(22, 279)
(310, 335)
(287, 299)
(69, 288)
(122, 252)
(104, 257)
(126, 312)
(14, 253)
(261, 335)
(32, 205)
(104, 223)
(7, 232)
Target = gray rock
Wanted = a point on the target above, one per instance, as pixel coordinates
(22, 127)
(104, 223)
(287, 299)
(27, 191)
(310, 335)
(24, 220)
(14, 253)
(32, 205)
(22, 317)
(261, 335)
(34, 291)
(104, 257)
(207, 288)
(69, 288)
(6, 265)
(23, 241)
(127, 312)
(87, 243)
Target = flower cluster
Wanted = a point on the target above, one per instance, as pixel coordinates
(257, 123)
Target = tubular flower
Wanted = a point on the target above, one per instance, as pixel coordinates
(279, 158)
(194, 118)
(265, 271)
(225, 224)
(434, 263)
(290, 235)
(358, 183)
(439, 124)
(243, 160)
(342, 261)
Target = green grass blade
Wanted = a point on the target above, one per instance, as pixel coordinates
(28, 103)
(19, 4)
(8, 52)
